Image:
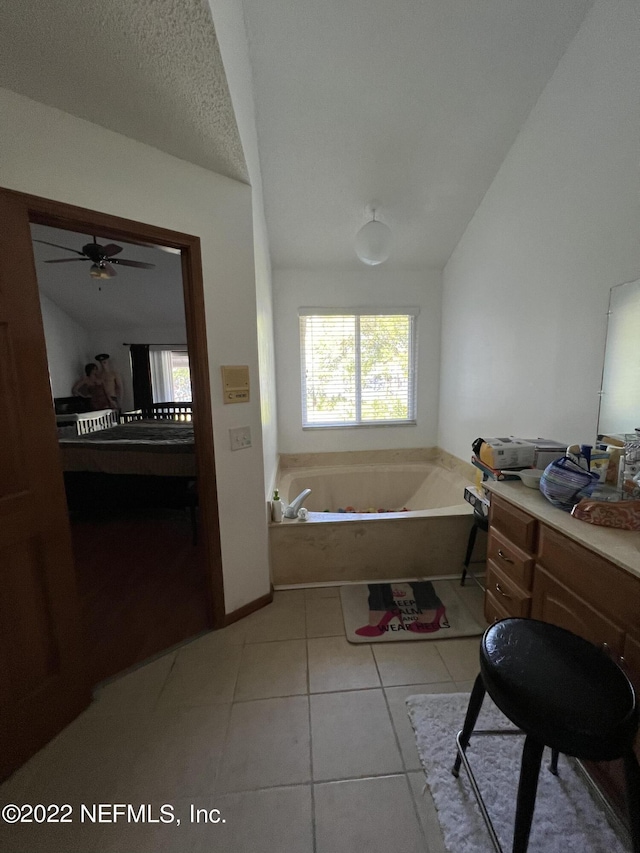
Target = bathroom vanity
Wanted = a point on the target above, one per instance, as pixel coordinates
(545, 564)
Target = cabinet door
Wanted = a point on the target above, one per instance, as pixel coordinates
(555, 603)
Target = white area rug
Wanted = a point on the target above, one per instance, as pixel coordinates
(458, 621)
(567, 819)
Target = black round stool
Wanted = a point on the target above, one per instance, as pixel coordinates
(560, 691)
(480, 522)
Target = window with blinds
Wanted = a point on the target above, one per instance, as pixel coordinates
(358, 368)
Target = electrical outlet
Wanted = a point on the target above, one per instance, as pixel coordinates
(240, 437)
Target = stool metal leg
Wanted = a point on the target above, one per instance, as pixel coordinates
(632, 778)
(473, 709)
(470, 545)
(527, 789)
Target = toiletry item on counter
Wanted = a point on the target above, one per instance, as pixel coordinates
(599, 464)
(277, 509)
(303, 514)
(501, 453)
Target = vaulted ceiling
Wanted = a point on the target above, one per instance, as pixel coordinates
(411, 105)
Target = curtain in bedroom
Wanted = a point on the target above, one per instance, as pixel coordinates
(141, 376)
(161, 375)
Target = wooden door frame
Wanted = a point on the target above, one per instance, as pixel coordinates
(57, 214)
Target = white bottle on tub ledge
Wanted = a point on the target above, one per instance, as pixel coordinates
(276, 507)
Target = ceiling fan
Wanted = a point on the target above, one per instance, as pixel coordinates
(101, 257)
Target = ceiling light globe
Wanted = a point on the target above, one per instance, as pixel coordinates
(373, 243)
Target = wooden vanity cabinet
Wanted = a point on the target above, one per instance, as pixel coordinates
(510, 561)
(534, 570)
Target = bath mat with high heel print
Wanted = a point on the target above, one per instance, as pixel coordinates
(411, 610)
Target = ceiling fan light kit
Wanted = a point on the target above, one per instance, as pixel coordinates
(373, 242)
(101, 258)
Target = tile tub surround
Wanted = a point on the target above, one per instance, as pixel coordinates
(429, 541)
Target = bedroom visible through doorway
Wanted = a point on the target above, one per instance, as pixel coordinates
(133, 508)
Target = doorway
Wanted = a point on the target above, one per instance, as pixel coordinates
(44, 666)
(139, 567)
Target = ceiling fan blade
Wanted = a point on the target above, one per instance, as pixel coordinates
(111, 249)
(139, 264)
(65, 260)
(66, 248)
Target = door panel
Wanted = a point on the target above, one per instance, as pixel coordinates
(42, 676)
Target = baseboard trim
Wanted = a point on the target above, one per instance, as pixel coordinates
(246, 609)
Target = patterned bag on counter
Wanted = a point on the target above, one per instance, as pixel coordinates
(563, 483)
(623, 515)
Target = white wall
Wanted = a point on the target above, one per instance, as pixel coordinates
(68, 345)
(526, 290)
(228, 17)
(50, 153)
(377, 287)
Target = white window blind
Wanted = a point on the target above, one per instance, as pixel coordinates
(358, 367)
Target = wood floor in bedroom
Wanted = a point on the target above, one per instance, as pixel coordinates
(140, 583)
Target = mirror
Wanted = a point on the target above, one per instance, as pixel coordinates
(620, 393)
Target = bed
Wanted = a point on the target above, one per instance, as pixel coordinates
(145, 447)
(143, 463)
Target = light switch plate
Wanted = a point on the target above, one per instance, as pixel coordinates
(240, 438)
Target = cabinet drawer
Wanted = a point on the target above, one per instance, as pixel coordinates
(515, 525)
(513, 598)
(553, 602)
(493, 609)
(513, 561)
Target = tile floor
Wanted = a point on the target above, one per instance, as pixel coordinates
(300, 740)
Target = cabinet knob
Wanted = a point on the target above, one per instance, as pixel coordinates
(503, 556)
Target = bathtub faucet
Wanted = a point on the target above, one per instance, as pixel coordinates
(292, 510)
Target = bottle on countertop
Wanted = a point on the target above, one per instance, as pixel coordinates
(276, 507)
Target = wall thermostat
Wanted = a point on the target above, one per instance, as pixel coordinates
(235, 383)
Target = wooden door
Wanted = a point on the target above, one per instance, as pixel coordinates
(43, 684)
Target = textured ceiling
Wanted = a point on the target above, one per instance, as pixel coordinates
(135, 297)
(148, 69)
(413, 104)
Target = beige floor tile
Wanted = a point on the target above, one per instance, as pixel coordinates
(335, 664)
(410, 663)
(465, 686)
(365, 815)
(473, 597)
(51, 838)
(315, 592)
(275, 820)
(283, 619)
(272, 669)
(324, 617)
(181, 752)
(85, 761)
(174, 837)
(396, 697)
(352, 735)
(134, 693)
(427, 813)
(204, 673)
(461, 657)
(268, 744)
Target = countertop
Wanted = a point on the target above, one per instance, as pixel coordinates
(621, 547)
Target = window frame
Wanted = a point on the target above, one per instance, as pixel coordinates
(412, 312)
